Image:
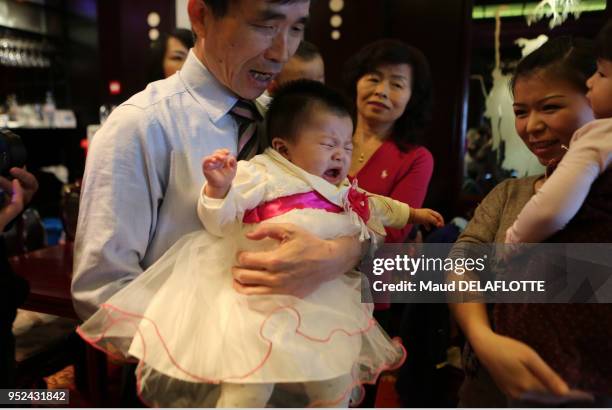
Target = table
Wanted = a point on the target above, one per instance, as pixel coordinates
(49, 272)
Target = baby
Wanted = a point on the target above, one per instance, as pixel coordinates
(198, 341)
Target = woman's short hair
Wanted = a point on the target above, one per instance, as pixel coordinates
(563, 58)
(410, 126)
(603, 43)
(158, 51)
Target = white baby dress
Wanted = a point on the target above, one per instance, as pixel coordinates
(189, 330)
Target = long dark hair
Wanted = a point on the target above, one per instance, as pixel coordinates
(410, 126)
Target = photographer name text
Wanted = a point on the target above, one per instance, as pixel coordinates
(462, 286)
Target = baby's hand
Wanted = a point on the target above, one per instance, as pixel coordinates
(427, 217)
(219, 170)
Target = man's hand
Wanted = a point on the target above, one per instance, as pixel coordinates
(298, 266)
(29, 184)
(15, 205)
(219, 168)
(517, 368)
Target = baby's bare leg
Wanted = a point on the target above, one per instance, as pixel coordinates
(329, 393)
(244, 395)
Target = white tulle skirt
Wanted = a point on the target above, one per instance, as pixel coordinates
(189, 330)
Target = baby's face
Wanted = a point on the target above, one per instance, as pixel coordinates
(600, 89)
(323, 146)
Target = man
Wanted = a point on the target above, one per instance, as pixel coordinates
(306, 63)
(143, 173)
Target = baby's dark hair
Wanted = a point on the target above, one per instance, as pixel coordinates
(295, 101)
(564, 58)
(603, 43)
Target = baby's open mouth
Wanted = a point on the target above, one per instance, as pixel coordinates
(332, 173)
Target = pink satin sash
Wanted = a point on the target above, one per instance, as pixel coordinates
(282, 205)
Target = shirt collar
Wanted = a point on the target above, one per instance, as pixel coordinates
(265, 99)
(213, 96)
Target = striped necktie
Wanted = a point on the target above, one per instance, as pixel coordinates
(246, 115)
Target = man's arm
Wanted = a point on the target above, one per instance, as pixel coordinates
(118, 208)
(298, 266)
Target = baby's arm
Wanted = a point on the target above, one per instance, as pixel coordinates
(564, 192)
(230, 189)
(396, 214)
(219, 170)
(427, 217)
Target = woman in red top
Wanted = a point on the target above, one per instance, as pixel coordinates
(390, 83)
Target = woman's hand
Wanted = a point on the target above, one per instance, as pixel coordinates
(219, 168)
(297, 266)
(515, 367)
(14, 206)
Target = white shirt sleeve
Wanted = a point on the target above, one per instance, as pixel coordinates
(564, 192)
(122, 189)
(247, 192)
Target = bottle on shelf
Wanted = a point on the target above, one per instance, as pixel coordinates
(49, 110)
(13, 107)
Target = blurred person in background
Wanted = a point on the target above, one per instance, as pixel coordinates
(307, 63)
(168, 53)
(13, 289)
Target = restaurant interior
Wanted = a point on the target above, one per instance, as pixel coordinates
(66, 64)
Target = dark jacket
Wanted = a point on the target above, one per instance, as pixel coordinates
(574, 339)
(13, 291)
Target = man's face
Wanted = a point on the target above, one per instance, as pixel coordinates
(247, 48)
(297, 69)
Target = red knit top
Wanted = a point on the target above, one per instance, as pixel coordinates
(403, 176)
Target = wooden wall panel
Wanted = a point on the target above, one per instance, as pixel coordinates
(124, 41)
(363, 21)
(441, 29)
